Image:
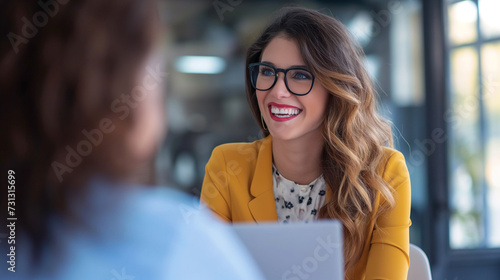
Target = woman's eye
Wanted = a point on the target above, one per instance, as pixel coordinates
(267, 71)
(301, 75)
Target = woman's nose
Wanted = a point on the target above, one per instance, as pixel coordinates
(279, 90)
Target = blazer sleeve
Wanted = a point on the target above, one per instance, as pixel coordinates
(215, 191)
(388, 257)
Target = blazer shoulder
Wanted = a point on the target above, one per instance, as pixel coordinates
(393, 165)
(390, 155)
(240, 151)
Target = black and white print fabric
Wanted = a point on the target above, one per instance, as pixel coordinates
(295, 202)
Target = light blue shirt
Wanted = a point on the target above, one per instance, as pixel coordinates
(123, 232)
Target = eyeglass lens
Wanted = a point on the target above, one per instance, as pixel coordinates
(298, 81)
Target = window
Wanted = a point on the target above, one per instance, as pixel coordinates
(473, 120)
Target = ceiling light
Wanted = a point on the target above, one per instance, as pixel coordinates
(200, 64)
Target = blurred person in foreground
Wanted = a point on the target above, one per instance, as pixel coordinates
(81, 112)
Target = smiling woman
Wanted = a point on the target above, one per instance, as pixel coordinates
(327, 153)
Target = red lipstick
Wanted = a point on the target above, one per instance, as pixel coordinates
(283, 112)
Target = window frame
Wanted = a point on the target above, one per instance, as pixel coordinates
(447, 263)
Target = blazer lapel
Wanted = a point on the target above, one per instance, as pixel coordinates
(263, 206)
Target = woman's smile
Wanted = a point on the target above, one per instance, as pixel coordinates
(282, 112)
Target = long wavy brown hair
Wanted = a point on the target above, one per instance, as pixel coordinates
(62, 64)
(354, 132)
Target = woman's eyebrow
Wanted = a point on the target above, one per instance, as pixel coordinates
(272, 64)
(268, 62)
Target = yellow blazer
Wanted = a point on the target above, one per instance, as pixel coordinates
(238, 187)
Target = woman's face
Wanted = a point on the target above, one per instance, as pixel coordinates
(303, 115)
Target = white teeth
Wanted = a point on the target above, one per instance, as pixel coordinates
(287, 112)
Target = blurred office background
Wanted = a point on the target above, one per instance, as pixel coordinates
(436, 65)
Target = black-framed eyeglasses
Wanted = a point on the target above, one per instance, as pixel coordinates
(298, 80)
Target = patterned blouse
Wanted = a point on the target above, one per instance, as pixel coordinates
(295, 202)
